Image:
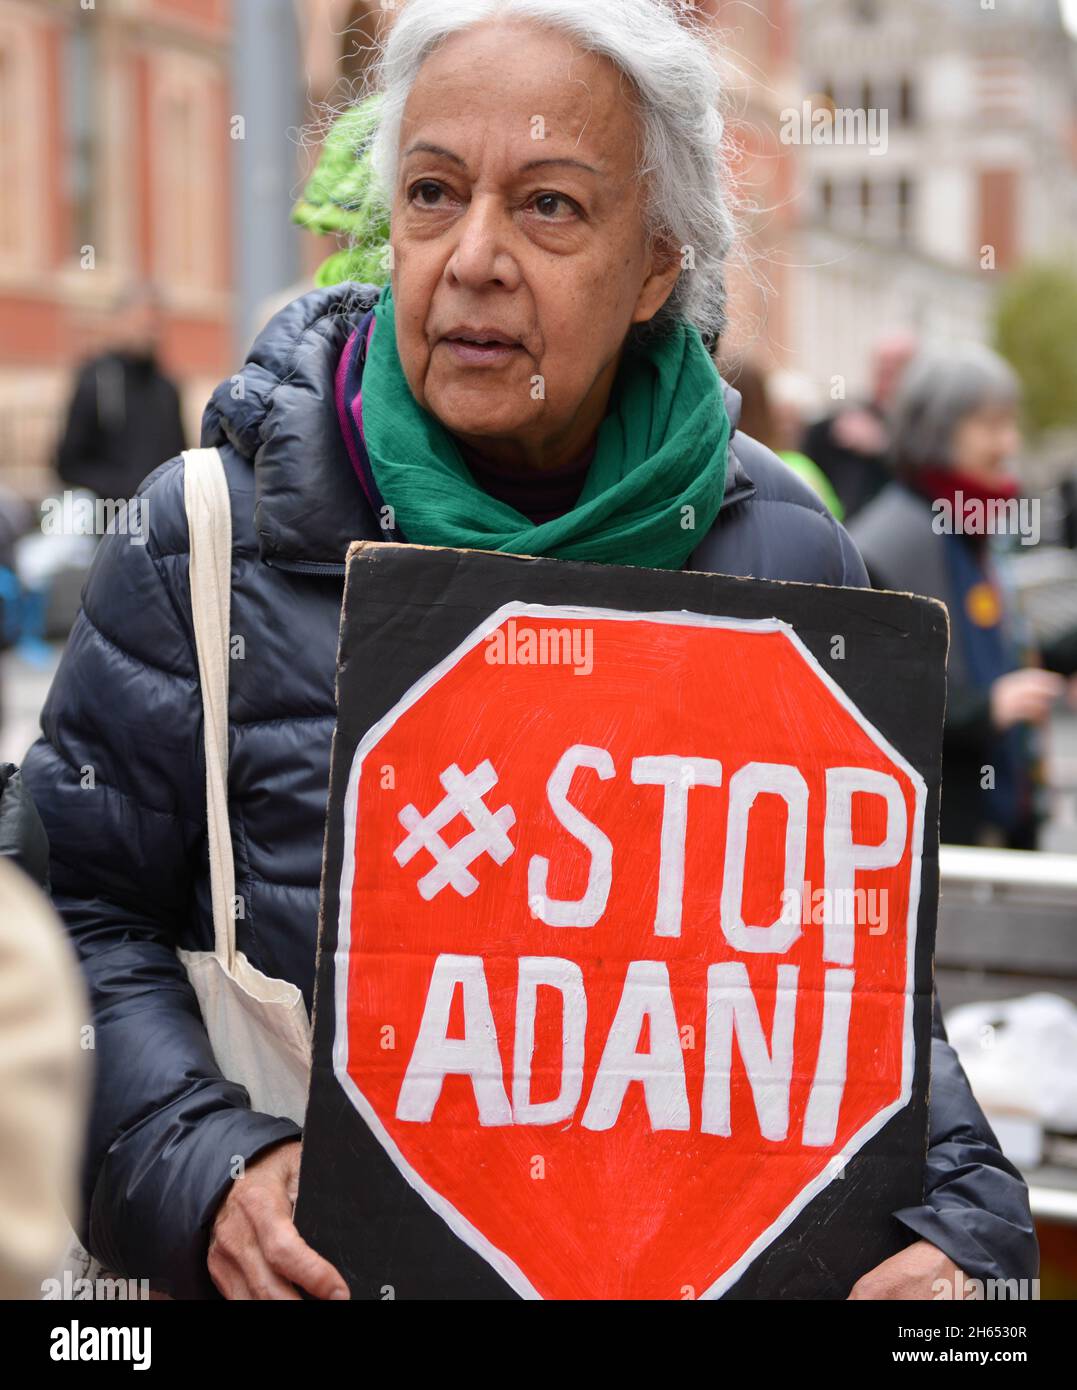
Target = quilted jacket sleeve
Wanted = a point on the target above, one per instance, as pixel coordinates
(118, 779)
(976, 1206)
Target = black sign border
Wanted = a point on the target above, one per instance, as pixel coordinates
(385, 1239)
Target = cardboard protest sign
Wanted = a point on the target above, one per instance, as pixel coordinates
(630, 884)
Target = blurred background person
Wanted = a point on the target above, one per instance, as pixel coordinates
(776, 427)
(850, 445)
(124, 417)
(14, 521)
(955, 435)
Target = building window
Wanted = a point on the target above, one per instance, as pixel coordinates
(9, 203)
(905, 210)
(997, 195)
(907, 102)
(880, 209)
(24, 210)
(188, 149)
(81, 142)
(180, 133)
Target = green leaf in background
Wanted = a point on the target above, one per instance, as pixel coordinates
(1036, 331)
(342, 199)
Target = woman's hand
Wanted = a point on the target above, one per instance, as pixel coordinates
(913, 1273)
(255, 1251)
(1024, 697)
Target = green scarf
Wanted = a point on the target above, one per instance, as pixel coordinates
(652, 491)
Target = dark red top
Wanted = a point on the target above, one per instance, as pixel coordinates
(538, 496)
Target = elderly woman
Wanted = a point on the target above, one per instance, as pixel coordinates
(932, 531)
(534, 380)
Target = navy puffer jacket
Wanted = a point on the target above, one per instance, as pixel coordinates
(119, 779)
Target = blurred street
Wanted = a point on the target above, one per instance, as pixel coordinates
(1059, 835)
(23, 687)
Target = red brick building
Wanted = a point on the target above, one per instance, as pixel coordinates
(115, 157)
(116, 169)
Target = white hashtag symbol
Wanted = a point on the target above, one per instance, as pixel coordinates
(464, 797)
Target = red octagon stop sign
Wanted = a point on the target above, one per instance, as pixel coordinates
(625, 958)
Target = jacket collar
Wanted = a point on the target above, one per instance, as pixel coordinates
(280, 412)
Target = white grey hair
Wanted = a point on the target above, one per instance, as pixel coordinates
(669, 56)
(939, 389)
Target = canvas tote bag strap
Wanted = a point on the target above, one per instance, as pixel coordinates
(209, 521)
